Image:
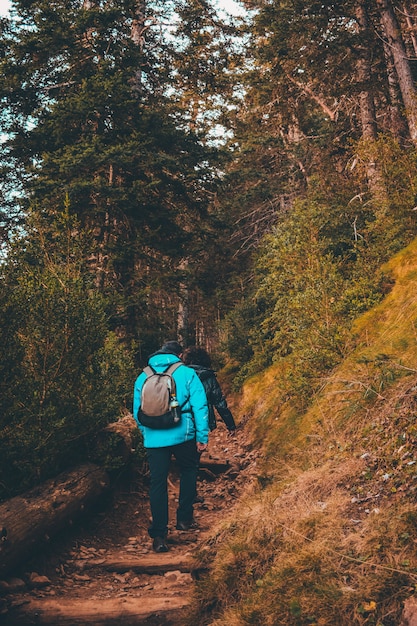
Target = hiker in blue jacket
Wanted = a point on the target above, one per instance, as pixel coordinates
(186, 441)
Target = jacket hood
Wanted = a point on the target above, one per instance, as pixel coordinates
(163, 359)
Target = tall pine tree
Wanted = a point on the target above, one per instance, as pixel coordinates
(94, 114)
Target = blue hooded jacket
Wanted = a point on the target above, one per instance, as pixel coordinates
(191, 397)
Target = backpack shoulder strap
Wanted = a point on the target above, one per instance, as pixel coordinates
(174, 366)
(149, 370)
(170, 370)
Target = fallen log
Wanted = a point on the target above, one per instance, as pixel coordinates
(114, 445)
(29, 520)
(156, 611)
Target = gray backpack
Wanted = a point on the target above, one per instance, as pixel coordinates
(159, 407)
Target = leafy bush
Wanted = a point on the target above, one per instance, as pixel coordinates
(315, 272)
(64, 375)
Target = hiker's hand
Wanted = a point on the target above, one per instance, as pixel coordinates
(201, 446)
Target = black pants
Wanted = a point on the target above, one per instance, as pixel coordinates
(159, 460)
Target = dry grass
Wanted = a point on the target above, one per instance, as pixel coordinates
(311, 555)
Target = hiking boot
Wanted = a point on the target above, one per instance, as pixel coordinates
(191, 525)
(159, 545)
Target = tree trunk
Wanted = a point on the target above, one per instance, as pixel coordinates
(29, 520)
(138, 24)
(137, 34)
(402, 66)
(366, 102)
(397, 123)
(183, 306)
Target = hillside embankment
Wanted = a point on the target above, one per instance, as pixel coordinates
(329, 534)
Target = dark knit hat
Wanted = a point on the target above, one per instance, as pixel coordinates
(172, 347)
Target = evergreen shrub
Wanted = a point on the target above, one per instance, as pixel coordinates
(64, 375)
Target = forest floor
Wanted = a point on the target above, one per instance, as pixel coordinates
(105, 571)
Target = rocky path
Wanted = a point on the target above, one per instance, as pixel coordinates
(107, 573)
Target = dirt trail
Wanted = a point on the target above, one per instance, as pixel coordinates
(107, 573)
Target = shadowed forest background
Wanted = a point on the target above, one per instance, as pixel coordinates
(171, 171)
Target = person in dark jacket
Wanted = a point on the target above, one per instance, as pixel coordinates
(199, 360)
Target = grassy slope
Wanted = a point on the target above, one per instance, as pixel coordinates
(328, 533)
